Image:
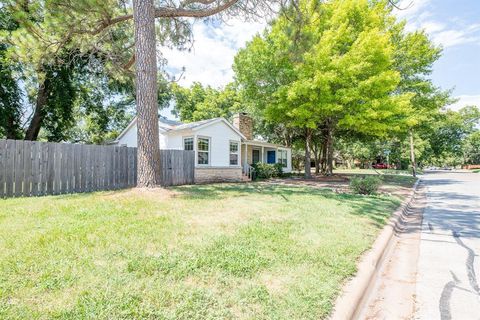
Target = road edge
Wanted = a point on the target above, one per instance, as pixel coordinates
(354, 293)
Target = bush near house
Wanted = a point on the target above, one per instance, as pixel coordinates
(365, 184)
(267, 170)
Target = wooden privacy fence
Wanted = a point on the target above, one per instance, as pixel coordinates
(178, 167)
(31, 168)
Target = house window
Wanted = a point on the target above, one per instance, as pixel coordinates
(203, 147)
(233, 153)
(255, 156)
(282, 157)
(188, 143)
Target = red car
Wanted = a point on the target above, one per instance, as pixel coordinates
(380, 166)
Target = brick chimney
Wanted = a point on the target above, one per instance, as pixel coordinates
(244, 123)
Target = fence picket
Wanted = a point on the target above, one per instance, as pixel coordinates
(45, 169)
(27, 168)
(36, 174)
(19, 176)
(3, 162)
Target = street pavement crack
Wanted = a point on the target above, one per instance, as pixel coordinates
(469, 264)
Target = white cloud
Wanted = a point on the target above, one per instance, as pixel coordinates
(450, 33)
(465, 100)
(410, 8)
(211, 58)
(433, 27)
(451, 38)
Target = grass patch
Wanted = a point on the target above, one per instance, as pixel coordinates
(245, 251)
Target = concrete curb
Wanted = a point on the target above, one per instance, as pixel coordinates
(355, 292)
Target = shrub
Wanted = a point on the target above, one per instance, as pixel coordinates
(365, 185)
(267, 171)
(278, 169)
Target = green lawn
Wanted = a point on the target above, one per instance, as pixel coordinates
(201, 252)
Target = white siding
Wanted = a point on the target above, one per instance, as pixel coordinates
(130, 138)
(289, 160)
(174, 141)
(220, 135)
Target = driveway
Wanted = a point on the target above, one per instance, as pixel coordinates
(448, 278)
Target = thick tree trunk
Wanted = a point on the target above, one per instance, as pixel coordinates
(412, 155)
(37, 118)
(323, 160)
(329, 168)
(328, 147)
(316, 157)
(146, 94)
(308, 145)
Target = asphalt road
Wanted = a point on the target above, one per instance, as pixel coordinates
(448, 275)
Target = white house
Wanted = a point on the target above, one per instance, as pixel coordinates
(223, 151)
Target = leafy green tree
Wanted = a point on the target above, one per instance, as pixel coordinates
(332, 72)
(472, 148)
(199, 102)
(10, 94)
(51, 48)
(450, 133)
(414, 57)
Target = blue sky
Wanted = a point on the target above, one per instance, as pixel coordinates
(453, 24)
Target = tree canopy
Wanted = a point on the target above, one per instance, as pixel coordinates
(332, 68)
(200, 103)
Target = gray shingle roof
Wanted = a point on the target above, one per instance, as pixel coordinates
(167, 124)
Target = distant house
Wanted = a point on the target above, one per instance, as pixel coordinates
(223, 151)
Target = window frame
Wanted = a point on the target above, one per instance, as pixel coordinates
(209, 139)
(259, 155)
(193, 142)
(237, 153)
(282, 156)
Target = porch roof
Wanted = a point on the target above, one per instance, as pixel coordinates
(263, 144)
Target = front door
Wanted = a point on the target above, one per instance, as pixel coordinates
(255, 156)
(271, 156)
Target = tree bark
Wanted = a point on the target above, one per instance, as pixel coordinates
(329, 168)
(308, 144)
(37, 118)
(412, 155)
(316, 156)
(328, 146)
(323, 160)
(146, 94)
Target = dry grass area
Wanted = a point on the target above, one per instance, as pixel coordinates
(231, 251)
